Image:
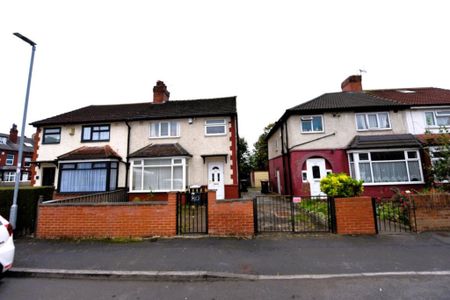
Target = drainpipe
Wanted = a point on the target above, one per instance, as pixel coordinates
(282, 157)
(127, 166)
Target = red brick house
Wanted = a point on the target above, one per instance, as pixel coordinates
(9, 154)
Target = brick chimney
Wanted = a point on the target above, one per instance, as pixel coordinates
(13, 134)
(160, 92)
(352, 84)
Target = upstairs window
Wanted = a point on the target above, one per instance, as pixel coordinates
(3, 140)
(373, 121)
(9, 159)
(27, 162)
(215, 127)
(52, 135)
(311, 124)
(95, 133)
(165, 129)
(437, 118)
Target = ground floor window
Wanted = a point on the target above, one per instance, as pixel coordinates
(158, 174)
(9, 176)
(380, 167)
(77, 177)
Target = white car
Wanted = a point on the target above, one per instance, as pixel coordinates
(6, 245)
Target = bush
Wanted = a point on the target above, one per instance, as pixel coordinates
(341, 185)
(27, 205)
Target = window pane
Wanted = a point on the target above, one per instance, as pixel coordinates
(52, 138)
(443, 112)
(95, 136)
(157, 162)
(173, 128)
(83, 180)
(215, 129)
(363, 156)
(306, 125)
(389, 172)
(372, 118)
(429, 116)
(104, 128)
(113, 165)
(68, 166)
(352, 170)
(443, 121)
(100, 165)
(178, 178)
(384, 120)
(86, 133)
(157, 178)
(316, 172)
(84, 165)
(414, 171)
(137, 178)
(216, 121)
(364, 172)
(112, 179)
(350, 156)
(412, 154)
(154, 130)
(164, 129)
(52, 130)
(361, 121)
(317, 123)
(392, 155)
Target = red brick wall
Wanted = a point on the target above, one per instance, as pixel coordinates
(37, 139)
(354, 215)
(131, 219)
(231, 191)
(230, 217)
(147, 197)
(432, 212)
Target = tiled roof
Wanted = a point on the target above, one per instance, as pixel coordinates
(90, 153)
(161, 150)
(10, 146)
(384, 141)
(414, 96)
(145, 111)
(433, 139)
(345, 101)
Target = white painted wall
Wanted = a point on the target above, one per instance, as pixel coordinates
(417, 122)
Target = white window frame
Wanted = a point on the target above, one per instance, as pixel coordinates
(172, 165)
(3, 140)
(27, 162)
(435, 116)
(169, 129)
(222, 123)
(366, 117)
(368, 151)
(9, 161)
(9, 176)
(26, 175)
(310, 117)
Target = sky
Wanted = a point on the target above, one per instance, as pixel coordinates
(272, 55)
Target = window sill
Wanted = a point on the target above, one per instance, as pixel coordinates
(374, 129)
(312, 132)
(163, 137)
(393, 183)
(220, 134)
(153, 191)
(96, 141)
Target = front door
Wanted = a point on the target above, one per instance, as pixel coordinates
(48, 176)
(215, 179)
(315, 171)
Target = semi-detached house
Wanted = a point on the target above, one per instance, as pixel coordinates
(373, 135)
(152, 147)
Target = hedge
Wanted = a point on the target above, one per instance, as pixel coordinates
(27, 206)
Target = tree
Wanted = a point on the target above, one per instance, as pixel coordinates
(439, 152)
(244, 159)
(260, 157)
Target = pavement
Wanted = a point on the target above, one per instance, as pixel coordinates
(264, 258)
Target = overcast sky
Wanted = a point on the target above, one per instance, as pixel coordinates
(271, 54)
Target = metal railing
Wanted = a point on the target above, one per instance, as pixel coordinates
(394, 215)
(106, 197)
(192, 212)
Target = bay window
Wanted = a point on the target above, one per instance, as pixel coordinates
(158, 174)
(381, 167)
(80, 177)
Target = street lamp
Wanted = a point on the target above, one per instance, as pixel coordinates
(13, 212)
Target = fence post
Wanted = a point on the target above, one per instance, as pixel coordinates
(332, 215)
(255, 215)
(374, 208)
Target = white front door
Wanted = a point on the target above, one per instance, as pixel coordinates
(215, 179)
(315, 171)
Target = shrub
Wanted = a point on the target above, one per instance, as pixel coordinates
(27, 205)
(341, 185)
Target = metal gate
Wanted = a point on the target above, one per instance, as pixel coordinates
(294, 214)
(394, 215)
(192, 212)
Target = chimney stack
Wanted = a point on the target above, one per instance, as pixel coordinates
(13, 134)
(160, 92)
(352, 84)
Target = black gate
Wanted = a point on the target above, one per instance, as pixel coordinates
(192, 212)
(394, 214)
(294, 214)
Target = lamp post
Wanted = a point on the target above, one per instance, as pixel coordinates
(13, 212)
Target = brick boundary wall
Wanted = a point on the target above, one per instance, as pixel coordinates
(230, 217)
(432, 212)
(107, 220)
(354, 215)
